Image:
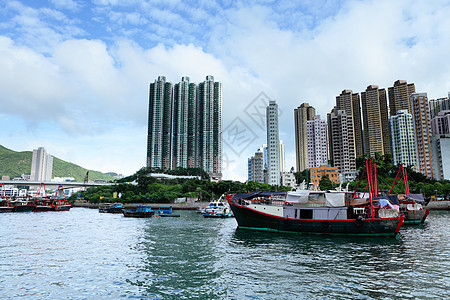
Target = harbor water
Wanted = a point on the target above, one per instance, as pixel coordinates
(84, 254)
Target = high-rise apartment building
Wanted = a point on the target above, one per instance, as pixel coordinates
(263, 150)
(317, 142)
(209, 112)
(440, 145)
(342, 150)
(159, 139)
(439, 105)
(282, 157)
(403, 147)
(184, 124)
(256, 168)
(441, 123)
(376, 122)
(399, 96)
(273, 144)
(41, 165)
(302, 114)
(350, 103)
(422, 132)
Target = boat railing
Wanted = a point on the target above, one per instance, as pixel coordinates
(264, 201)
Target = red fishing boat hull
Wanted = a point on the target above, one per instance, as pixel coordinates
(252, 219)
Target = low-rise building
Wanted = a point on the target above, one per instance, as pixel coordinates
(316, 174)
(288, 179)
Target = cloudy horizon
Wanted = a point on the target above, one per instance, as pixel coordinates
(75, 74)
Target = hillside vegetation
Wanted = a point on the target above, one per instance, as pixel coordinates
(14, 164)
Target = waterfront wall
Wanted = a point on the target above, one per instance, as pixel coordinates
(175, 206)
(439, 205)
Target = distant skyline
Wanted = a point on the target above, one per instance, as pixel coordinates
(75, 74)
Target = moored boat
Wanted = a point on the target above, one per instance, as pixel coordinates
(317, 212)
(411, 205)
(166, 212)
(60, 202)
(114, 208)
(218, 209)
(314, 212)
(6, 206)
(23, 206)
(140, 211)
(61, 205)
(43, 204)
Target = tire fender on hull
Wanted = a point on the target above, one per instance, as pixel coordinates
(359, 222)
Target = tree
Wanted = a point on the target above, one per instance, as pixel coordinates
(325, 183)
(300, 176)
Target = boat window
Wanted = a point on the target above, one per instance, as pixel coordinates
(306, 214)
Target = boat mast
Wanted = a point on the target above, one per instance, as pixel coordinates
(4, 191)
(405, 181)
(39, 190)
(404, 174)
(369, 182)
(375, 180)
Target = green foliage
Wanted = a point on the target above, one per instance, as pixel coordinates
(325, 183)
(386, 171)
(303, 175)
(151, 190)
(14, 164)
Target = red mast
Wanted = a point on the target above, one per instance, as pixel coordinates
(405, 181)
(369, 182)
(375, 180)
(39, 190)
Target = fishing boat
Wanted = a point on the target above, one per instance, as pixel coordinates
(114, 208)
(411, 205)
(60, 202)
(6, 206)
(43, 204)
(22, 205)
(218, 209)
(317, 212)
(166, 211)
(140, 211)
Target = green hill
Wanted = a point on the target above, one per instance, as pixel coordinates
(14, 164)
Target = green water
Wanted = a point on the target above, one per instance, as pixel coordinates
(83, 254)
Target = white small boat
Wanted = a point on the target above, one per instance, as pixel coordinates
(218, 209)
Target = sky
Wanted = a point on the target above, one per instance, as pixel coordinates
(74, 75)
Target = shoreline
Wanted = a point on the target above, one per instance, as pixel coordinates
(432, 205)
(175, 206)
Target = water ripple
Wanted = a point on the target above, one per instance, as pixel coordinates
(82, 254)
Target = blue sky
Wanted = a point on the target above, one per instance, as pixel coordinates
(75, 74)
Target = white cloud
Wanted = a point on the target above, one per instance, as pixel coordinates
(66, 4)
(95, 88)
